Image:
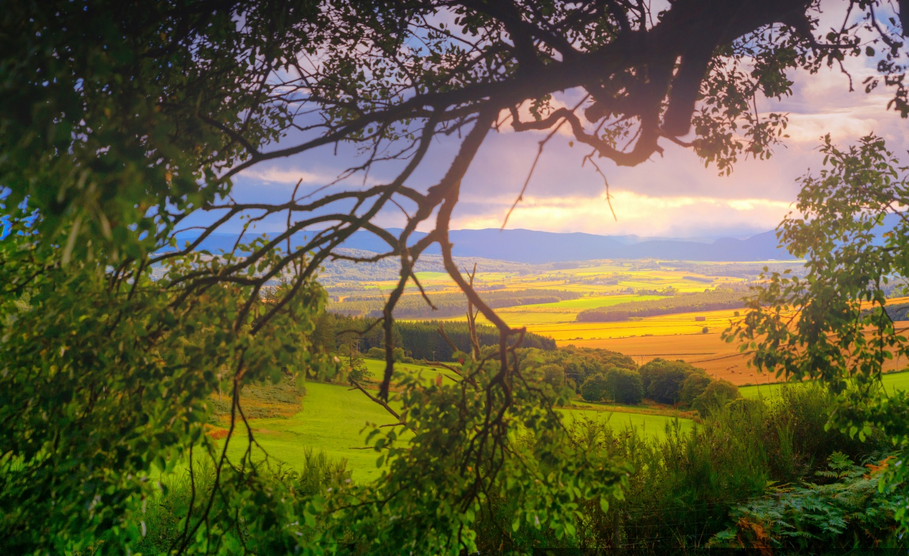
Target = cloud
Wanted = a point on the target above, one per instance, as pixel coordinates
(287, 176)
(682, 216)
(667, 195)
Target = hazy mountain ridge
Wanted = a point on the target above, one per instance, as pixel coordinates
(535, 247)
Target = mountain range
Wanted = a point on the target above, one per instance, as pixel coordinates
(535, 247)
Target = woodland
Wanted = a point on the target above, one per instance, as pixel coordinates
(123, 122)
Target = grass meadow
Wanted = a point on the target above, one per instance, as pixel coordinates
(334, 419)
(331, 419)
(892, 382)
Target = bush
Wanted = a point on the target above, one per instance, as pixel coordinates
(358, 373)
(625, 386)
(165, 514)
(375, 353)
(820, 518)
(715, 396)
(595, 388)
(693, 386)
(684, 486)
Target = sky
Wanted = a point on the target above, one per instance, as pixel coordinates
(672, 195)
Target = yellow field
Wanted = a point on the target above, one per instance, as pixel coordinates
(670, 337)
(584, 279)
(667, 325)
(677, 336)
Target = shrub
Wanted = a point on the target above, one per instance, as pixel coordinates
(683, 487)
(820, 518)
(715, 396)
(164, 514)
(377, 352)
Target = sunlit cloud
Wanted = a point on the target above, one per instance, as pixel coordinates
(671, 194)
(289, 176)
(634, 214)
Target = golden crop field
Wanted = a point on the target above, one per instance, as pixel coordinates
(676, 336)
(587, 279)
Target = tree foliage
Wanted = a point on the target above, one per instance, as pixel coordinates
(595, 388)
(625, 386)
(107, 383)
(420, 340)
(664, 381)
(715, 395)
(833, 324)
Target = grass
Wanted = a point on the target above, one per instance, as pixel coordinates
(376, 369)
(892, 382)
(334, 420)
(652, 426)
(331, 420)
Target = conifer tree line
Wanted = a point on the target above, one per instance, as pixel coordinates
(418, 340)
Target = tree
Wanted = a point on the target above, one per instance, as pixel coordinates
(553, 374)
(625, 386)
(595, 388)
(664, 380)
(693, 386)
(119, 122)
(834, 323)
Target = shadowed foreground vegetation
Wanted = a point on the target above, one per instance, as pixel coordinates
(754, 474)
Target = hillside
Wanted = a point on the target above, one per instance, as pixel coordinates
(534, 247)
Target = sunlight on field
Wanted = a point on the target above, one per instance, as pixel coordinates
(376, 369)
(581, 333)
(331, 420)
(674, 336)
(591, 302)
(653, 426)
(893, 382)
(597, 280)
(430, 277)
(334, 419)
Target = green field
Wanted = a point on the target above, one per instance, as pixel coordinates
(591, 302)
(331, 420)
(376, 369)
(334, 418)
(653, 426)
(892, 382)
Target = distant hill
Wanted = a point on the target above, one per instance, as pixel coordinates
(533, 247)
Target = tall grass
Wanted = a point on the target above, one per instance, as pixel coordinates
(685, 487)
(164, 515)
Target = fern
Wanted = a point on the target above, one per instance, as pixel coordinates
(849, 512)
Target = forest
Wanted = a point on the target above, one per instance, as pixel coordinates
(418, 340)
